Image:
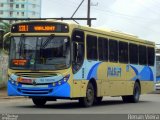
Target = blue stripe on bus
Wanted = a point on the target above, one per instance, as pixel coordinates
(135, 70)
(151, 74)
(93, 71)
(146, 74)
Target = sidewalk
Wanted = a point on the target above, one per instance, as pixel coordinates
(3, 94)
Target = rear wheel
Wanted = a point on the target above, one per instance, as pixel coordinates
(126, 99)
(136, 94)
(39, 102)
(89, 99)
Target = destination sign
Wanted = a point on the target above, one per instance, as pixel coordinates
(30, 27)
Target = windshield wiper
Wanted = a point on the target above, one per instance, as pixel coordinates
(47, 41)
(21, 45)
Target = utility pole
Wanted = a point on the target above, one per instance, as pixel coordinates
(88, 13)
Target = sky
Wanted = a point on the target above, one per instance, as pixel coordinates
(137, 17)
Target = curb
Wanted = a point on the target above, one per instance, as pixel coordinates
(10, 97)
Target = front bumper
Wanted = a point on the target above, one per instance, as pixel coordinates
(39, 90)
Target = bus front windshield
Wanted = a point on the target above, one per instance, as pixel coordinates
(39, 53)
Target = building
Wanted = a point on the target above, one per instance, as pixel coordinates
(20, 9)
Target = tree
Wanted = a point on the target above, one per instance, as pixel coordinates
(4, 28)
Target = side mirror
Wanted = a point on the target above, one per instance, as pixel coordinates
(6, 43)
(77, 51)
(75, 47)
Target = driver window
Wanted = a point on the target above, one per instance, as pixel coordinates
(78, 50)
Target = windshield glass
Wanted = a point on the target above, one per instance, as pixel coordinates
(39, 53)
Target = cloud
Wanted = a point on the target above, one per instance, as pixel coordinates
(139, 17)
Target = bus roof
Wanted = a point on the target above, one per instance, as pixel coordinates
(116, 34)
(107, 32)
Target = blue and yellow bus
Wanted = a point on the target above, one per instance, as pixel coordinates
(50, 60)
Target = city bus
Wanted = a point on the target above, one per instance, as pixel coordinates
(50, 60)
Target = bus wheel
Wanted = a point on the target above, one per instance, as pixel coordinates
(89, 99)
(39, 102)
(98, 100)
(136, 94)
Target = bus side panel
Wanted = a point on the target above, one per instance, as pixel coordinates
(147, 87)
(103, 83)
(79, 88)
(114, 79)
(131, 73)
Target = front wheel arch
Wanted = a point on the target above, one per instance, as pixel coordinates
(89, 99)
(94, 83)
(97, 99)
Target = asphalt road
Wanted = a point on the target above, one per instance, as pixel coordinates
(149, 103)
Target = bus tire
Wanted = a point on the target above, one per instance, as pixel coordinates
(126, 99)
(136, 94)
(39, 102)
(89, 99)
(98, 100)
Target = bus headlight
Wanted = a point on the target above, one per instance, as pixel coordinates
(16, 83)
(13, 82)
(54, 84)
(59, 82)
(62, 81)
(65, 79)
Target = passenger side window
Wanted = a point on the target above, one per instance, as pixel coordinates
(91, 47)
(123, 52)
(103, 49)
(113, 51)
(133, 53)
(142, 55)
(151, 56)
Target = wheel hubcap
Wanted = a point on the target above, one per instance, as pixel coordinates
(90, 95)
(137, 93)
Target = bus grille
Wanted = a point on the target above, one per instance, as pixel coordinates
(35, 91)
(35, 74)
